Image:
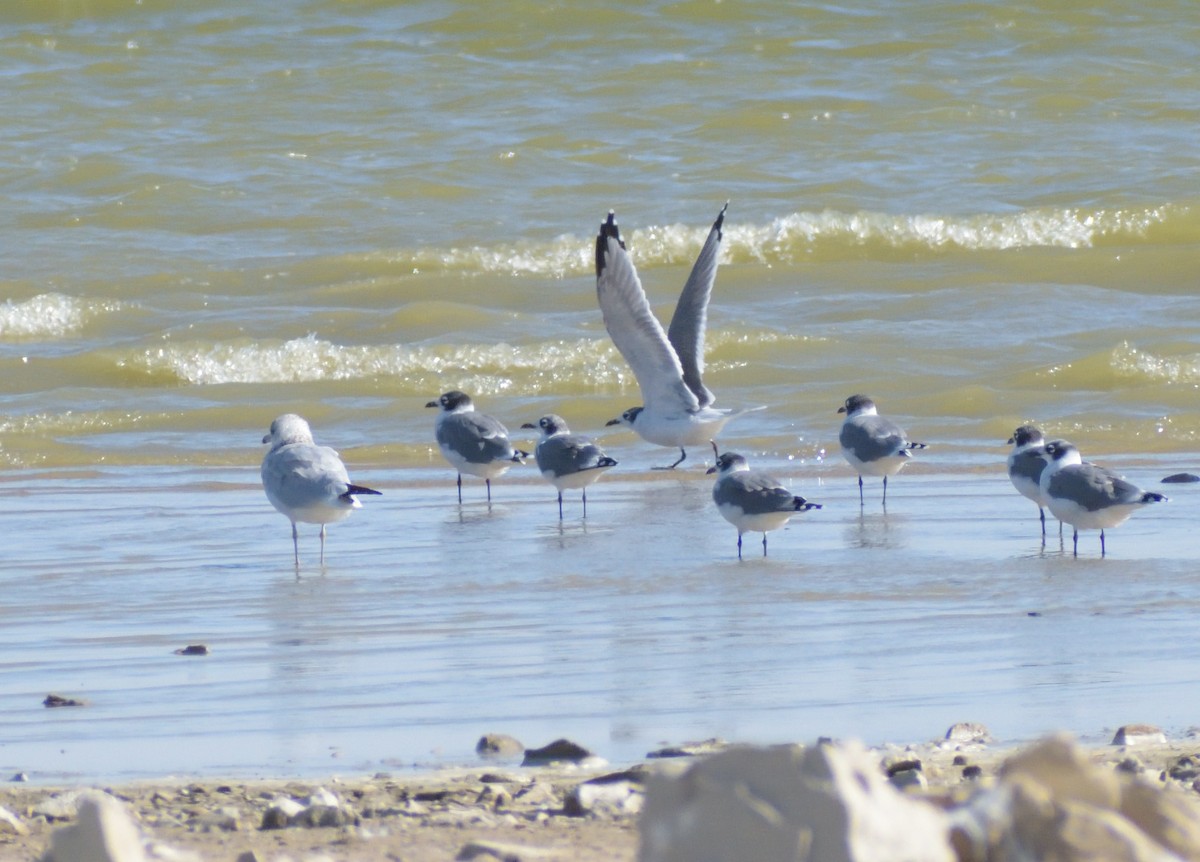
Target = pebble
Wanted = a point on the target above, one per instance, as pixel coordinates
(1139, 734)
(498, 745)
(968, 731)
(487, 851)
(559, 751)
(1180, 479)
(691, 749)
(53, 701)
(192, 649)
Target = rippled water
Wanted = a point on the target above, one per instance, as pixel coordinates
(214, 213)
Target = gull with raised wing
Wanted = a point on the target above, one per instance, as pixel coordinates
(473, 442)
(568, 460)
(677, 407)
(752, 500)
(1087, 496)
(873, 445)
(304, 481)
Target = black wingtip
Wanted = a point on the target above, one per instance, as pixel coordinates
(606, 462)
(519, 456)
(915, 446)
(719, 224)
(608, 228)
(1153, 497)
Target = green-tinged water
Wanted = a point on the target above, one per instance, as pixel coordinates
(213, 213)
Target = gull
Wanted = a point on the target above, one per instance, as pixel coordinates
(1025, 466)
(568, 460)
(752, 500)
(677, 409)
(473, 442)
(304, 481)
(1087, 496)
(873, 445)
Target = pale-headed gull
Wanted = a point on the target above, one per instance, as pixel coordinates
(304, 481)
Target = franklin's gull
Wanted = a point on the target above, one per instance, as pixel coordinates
(668, 365)
(873, 445)
(751, 500)
(1087, 496)
(568, 460)
(473, 442)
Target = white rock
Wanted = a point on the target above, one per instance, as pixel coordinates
(104, 832)
(782, 804)
(61, 806)
(603, 797)
(323, 797)
(10, 824)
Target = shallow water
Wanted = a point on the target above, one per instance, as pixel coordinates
(433, 624)
(214, 214)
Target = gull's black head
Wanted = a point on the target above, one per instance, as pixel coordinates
(627, 418)
(727, 462)
(1026, 435)
(1057, 450)
(855, 403)
(451, 401)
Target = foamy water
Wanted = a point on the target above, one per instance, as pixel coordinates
(980, 216)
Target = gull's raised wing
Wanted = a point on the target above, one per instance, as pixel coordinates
(633, 327)
(686, 332)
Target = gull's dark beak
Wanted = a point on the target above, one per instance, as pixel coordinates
(842, 409)
(1012, 440)
(529, 425)
(612, 422)
(710, 470)
(432, 404)
(267, 438)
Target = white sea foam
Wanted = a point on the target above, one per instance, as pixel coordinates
(801, 234)
(1130, 361)
(48, 315)
(313, 359)
(484, 368)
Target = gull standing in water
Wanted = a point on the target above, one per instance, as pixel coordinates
(304, 481)
(1086, 496)
(1025, 466)
(873, 445)
(752, 500)
(677, 408)
(568, 460)
(473, 442)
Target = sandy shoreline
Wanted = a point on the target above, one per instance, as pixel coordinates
(585, 812)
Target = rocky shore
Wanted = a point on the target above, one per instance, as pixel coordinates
(959, 798)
